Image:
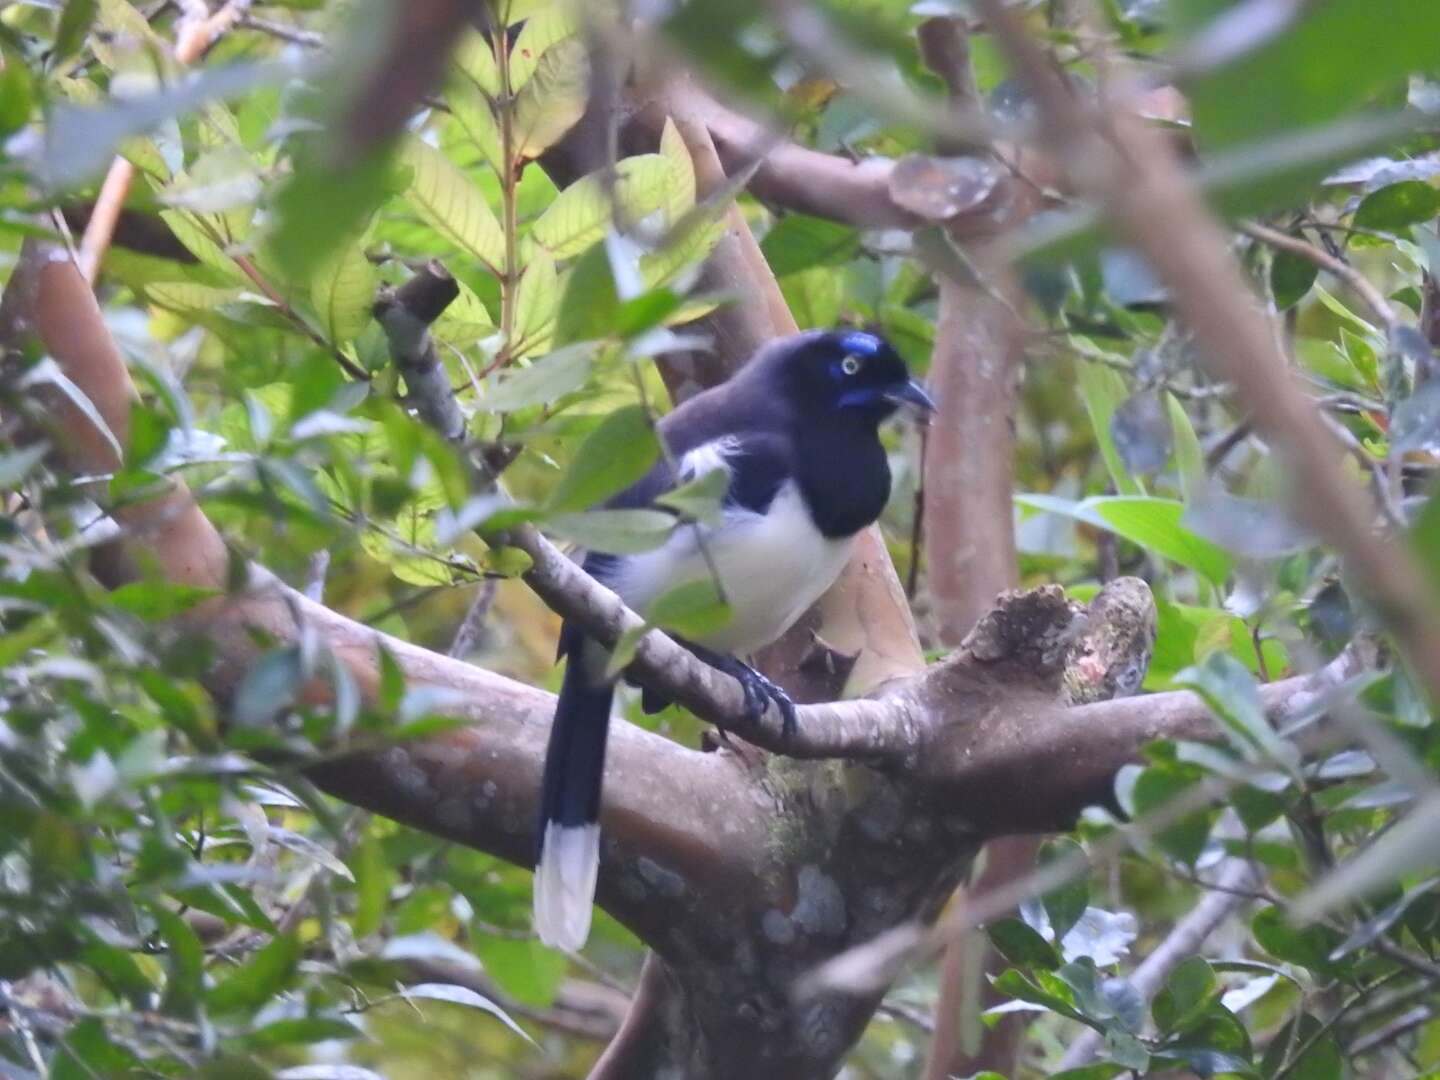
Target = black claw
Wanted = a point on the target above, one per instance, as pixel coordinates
(759, 691)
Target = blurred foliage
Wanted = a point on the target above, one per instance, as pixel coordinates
(178, 901)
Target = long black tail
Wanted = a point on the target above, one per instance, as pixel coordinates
(567, 856)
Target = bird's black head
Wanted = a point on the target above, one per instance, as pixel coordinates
(846, 374)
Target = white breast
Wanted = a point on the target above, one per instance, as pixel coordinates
(772, 567)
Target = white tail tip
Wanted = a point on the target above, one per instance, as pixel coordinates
(565, 884)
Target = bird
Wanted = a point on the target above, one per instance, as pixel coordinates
(796, 434)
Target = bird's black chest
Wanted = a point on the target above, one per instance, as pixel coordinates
(844, 477)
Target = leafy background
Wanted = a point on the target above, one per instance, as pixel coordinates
(178, 900)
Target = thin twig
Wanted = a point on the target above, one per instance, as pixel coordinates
(472, 627)
(1298, 246)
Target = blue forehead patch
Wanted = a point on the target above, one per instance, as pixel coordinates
(860, 343)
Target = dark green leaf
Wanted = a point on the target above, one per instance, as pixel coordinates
(1022, 946)
(1065, 903)
(87, 1053)
(1291, 278)
(1394, 207)
(255, 982)
(1309, 946)
(75, 23)
(1187, 993)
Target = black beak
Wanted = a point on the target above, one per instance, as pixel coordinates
(912, 396)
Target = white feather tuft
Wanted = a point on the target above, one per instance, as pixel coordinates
(565, 884)
(708, 457)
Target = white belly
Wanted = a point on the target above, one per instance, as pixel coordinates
(772, 568)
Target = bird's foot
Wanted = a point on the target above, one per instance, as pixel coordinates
(759, 691)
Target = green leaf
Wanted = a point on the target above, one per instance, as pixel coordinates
(451, 205)
(801, 242)
(1411, 846)
(1018, 943)
(373, 878)
(1189, 456)
(1065, 903)
(1155, 788)
(87, 1052)
(1187, 993)
(1321, 1060)
(591, 305)
(1310, 946)
(701, 499)
(75, 23)
(693, 609)
(1290, 278)
(553, 99)
(1103, 391)
(1310, 72)
(615, 532)
(1052, 994)
(255, 982)
(299, 1031)
(1231, 692)
(315, 214)
(523, 968)
(157, 600)
(1395, 206)
(613, 456)
(184, 963)
(545, 381)
(1152, 523)
(579, 217)
(342, 289)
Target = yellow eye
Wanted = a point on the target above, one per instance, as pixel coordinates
(850, 365)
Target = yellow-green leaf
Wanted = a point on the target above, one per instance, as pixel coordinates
(342, 290)
(466, 320)
(189, 231)
(537, 302)
(681, 186)
(545, 28)
(582, 213)
(553, 99)
(451, 204)
(472, 110)
(476, 60)
(187, 298)
(692, 246)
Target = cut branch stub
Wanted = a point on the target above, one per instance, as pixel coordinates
(940, 188)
